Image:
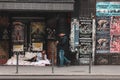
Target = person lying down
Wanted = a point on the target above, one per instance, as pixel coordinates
(39, 59)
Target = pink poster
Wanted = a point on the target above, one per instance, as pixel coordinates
(115, 34)
(115, 25)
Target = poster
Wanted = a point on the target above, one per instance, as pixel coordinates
(103, 43)
(103, 25)
(18, 32)
(115, 34)
(103, 34)
(74, 35)
(37, 46)
(84, 58)
(115, 44)
(108, 8)
(37, 31)
(115, 25)
(107, 32)
(85, 48)
(85, 27)
(18, 48)
(85, 40)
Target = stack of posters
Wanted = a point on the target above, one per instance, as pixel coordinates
(102, 35)
(108, 31)
(85, 40)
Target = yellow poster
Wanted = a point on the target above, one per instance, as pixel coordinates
(18, 48)
(37, 46)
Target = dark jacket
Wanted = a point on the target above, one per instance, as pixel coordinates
(63, 40)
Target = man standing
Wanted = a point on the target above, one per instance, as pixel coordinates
(62, 42)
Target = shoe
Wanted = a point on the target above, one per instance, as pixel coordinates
(68, 63)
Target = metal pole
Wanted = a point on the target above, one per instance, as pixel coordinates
(52, 63)
(17, 61)
(90, 62)
(53, 58)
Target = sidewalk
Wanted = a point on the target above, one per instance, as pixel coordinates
(99, 72)
(70, 70)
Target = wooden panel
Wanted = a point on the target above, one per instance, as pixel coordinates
(52, 49)
(3, 52)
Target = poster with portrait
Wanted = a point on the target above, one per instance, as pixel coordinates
(18, 31)
(37, 31)
(103, 25)
(102, 44)
(85, 27)
(103, 34)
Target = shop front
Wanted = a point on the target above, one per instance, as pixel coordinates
(31, 27)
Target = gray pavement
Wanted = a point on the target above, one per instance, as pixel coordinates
(70, 70)
(80, 71)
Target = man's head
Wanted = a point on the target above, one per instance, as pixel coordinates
(61, 34)
(43, 52)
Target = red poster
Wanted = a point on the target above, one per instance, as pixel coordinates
(115, 34)
(115, 44)
(115, 25)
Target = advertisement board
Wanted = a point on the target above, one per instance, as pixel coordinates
(107, 8)
(103, 34)
(85, 27)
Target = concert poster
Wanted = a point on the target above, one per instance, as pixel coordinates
(115, 34)
(115, 25)
(85, 48)
(102, 44)
(85, 27)
(103, 25)
(115, 44)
